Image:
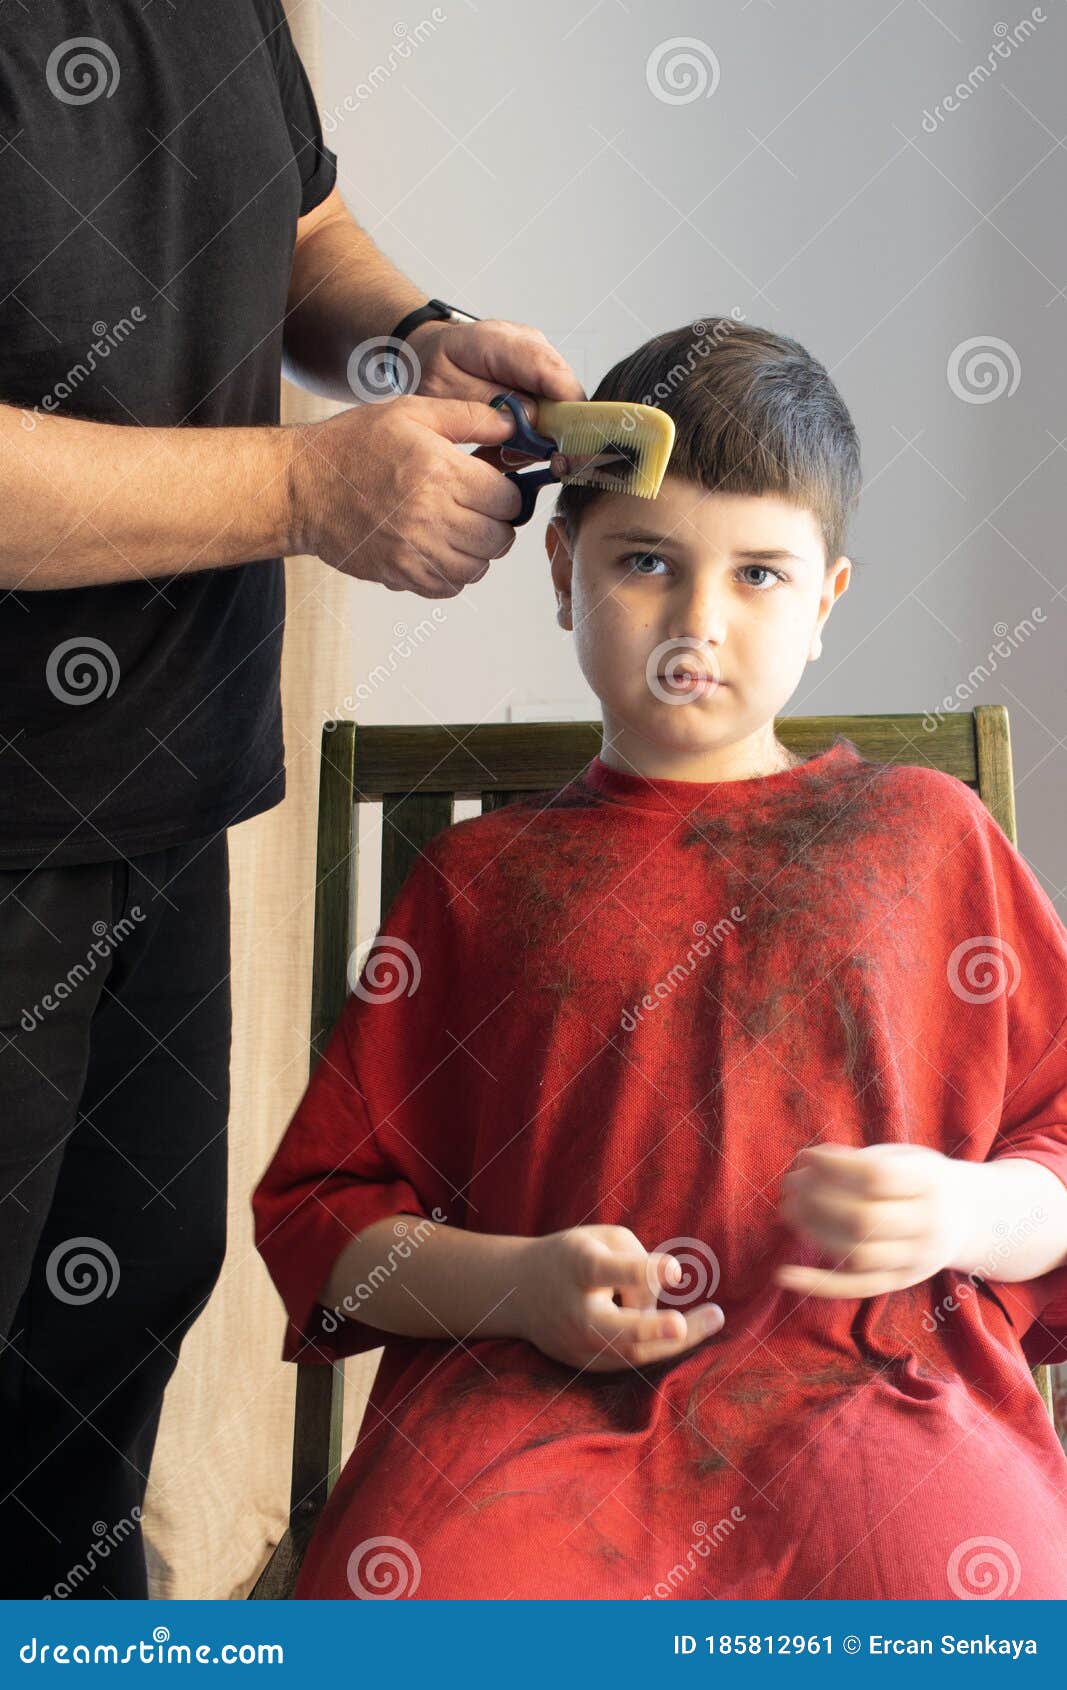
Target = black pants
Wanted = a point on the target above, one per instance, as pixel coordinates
(114, 1093)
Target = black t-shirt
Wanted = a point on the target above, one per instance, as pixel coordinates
(151, 177)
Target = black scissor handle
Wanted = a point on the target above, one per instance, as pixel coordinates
(525, 439)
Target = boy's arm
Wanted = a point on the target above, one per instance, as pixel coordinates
(419, 1279)
(1018, 1219)
(892, 1215)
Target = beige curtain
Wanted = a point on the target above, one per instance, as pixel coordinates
(219, 1486)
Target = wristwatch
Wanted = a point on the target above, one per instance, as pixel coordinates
(434, 308)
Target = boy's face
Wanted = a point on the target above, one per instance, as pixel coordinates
(694, 615)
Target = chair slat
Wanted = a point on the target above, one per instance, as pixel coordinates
(498, 798)
(467, 760)
(409, 822)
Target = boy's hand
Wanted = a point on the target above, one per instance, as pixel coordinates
(568, 1308)
(888, 1216)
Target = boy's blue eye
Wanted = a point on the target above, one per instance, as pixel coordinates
(636, 558)
(765, 569)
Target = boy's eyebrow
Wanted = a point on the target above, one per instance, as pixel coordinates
(750, 554)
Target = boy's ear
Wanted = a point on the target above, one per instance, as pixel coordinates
(835, 584)
(558, 547)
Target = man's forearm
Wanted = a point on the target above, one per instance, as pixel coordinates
(408, 1275)
(343, 291)
(89, 502)
(1018, 1220)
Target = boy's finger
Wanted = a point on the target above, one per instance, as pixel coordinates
(637, 1297)
(839, 1282)
(844, 1218)
(611, 1269)
(866, 1169)
(700, 1323)
(624, 1327)
(661, 1268)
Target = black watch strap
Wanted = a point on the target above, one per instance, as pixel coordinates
(433, 309)
(424, 313)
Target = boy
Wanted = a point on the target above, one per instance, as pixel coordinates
(765, 1252)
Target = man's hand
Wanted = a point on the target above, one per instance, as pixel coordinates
(887, 1215)
(478, 360)
(382, 492)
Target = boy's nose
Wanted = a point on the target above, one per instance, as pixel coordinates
(702, 615)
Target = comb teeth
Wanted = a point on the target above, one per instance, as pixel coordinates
(634, 482)
(640, 437)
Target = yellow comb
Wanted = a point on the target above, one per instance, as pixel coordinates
(620, 446)
(637, 438)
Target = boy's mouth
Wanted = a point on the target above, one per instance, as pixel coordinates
(690, 680)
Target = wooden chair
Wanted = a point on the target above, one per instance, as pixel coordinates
(416, 773)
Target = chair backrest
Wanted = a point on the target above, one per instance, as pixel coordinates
(417, 773)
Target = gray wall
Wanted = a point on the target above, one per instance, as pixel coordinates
(517, 161)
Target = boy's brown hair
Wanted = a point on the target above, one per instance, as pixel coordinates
(753, 413)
